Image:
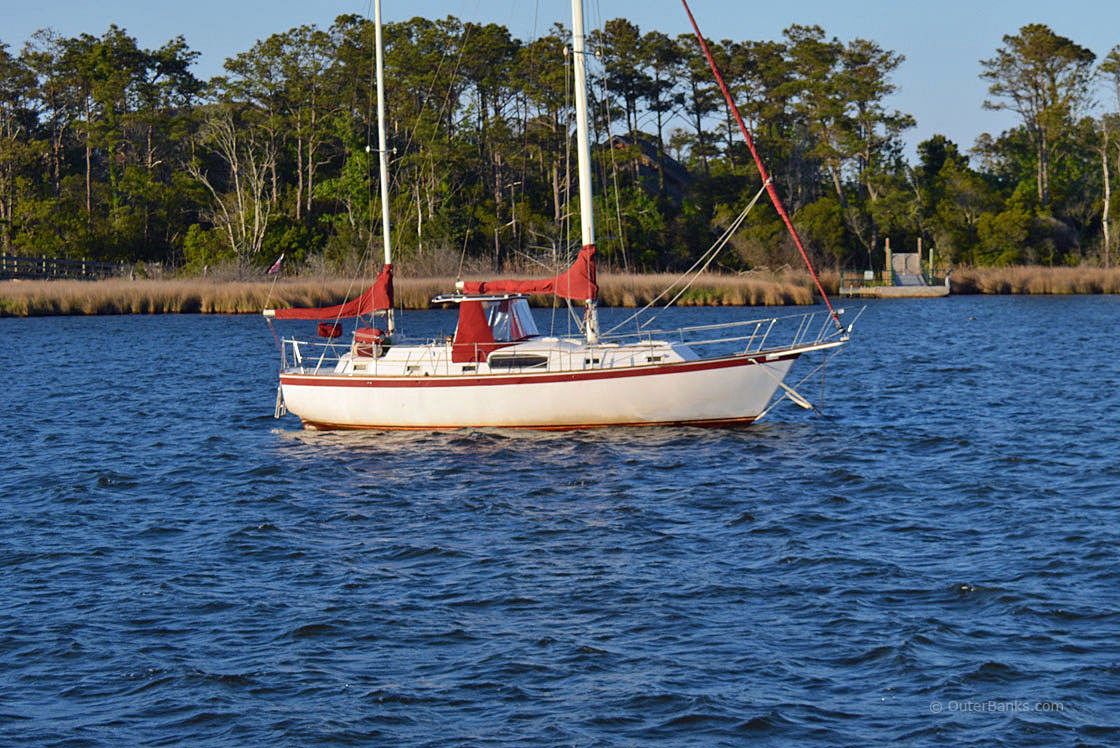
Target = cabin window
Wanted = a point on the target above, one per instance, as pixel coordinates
(411, 369)
(511, 319)
(653, 359)
(517, 361)
(590, 361)
(469, 368)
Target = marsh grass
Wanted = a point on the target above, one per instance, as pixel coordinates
(1036, 280)
(630, 290)
(210, 296)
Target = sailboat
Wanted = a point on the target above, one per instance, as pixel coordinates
(497, 369)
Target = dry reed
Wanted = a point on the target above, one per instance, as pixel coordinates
(207, 296)
(1036, 280)
(210, 296)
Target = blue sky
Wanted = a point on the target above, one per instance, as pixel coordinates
(942, 40)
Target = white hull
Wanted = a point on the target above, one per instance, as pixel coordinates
(701, 392)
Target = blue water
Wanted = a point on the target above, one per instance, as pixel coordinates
(933, 563)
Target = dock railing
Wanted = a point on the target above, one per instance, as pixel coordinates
(15, 267)
(851, 279)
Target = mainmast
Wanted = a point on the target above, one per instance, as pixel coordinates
(583, 151)
(382, 148)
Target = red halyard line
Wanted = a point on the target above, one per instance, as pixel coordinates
(351, 380)
(768, 183)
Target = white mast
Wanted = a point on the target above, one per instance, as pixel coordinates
(382, 149)
(583, 150)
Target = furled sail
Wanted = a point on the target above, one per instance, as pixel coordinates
(577, 282)
(377, 297)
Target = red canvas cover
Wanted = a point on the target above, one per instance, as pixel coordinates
(473, 338)
(330, 330)
(377, 297)
(368, 341)
(369, 335)
(577, 282)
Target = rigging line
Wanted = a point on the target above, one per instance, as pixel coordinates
(614, 180)
(788, 393)
(774, 197)
(367, 253)
(565, 226)
(396, 178)
(713, 251)
(370, 84)
(463, 253)
(716, 249)
(566, 219)
(445, 107)
(272, 286)
(819, 367)
(796, 397)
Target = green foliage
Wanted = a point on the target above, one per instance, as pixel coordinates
(109, 150)
(295, 241)
(205, 248)
(1045, 78)
(821, 224)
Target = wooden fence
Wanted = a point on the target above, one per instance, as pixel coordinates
(51, 268)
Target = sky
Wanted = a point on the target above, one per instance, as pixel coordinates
(942, 40)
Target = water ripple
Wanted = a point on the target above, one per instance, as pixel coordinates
(933, 564)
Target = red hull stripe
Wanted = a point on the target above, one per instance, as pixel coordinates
(349, 380)
(709, 423)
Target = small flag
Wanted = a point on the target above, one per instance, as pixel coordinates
(276, 265)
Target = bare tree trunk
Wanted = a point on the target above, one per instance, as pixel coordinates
(660, 153)
(557, 206)
(7, 201)
(244, 209)
(1043, 176)
(498, 172)
(89, 183)
(299, 178)
(56, 161)
(7, 184)
(89, 159)
(310, 177)
(419, 217)
(699, 126)
(1107, 196)
(275, 198)
(729, 123)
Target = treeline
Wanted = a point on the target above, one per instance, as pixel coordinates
(114, 152)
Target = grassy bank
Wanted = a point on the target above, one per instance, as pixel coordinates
(1036, 280)
(208, 296)
(189, 296)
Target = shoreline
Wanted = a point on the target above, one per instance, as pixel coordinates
(41, 298)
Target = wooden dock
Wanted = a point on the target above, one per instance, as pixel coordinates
(905, 280)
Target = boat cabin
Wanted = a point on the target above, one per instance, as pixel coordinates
(488, 322)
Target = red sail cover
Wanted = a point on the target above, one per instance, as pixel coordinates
(377, 297)
(577, 282)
